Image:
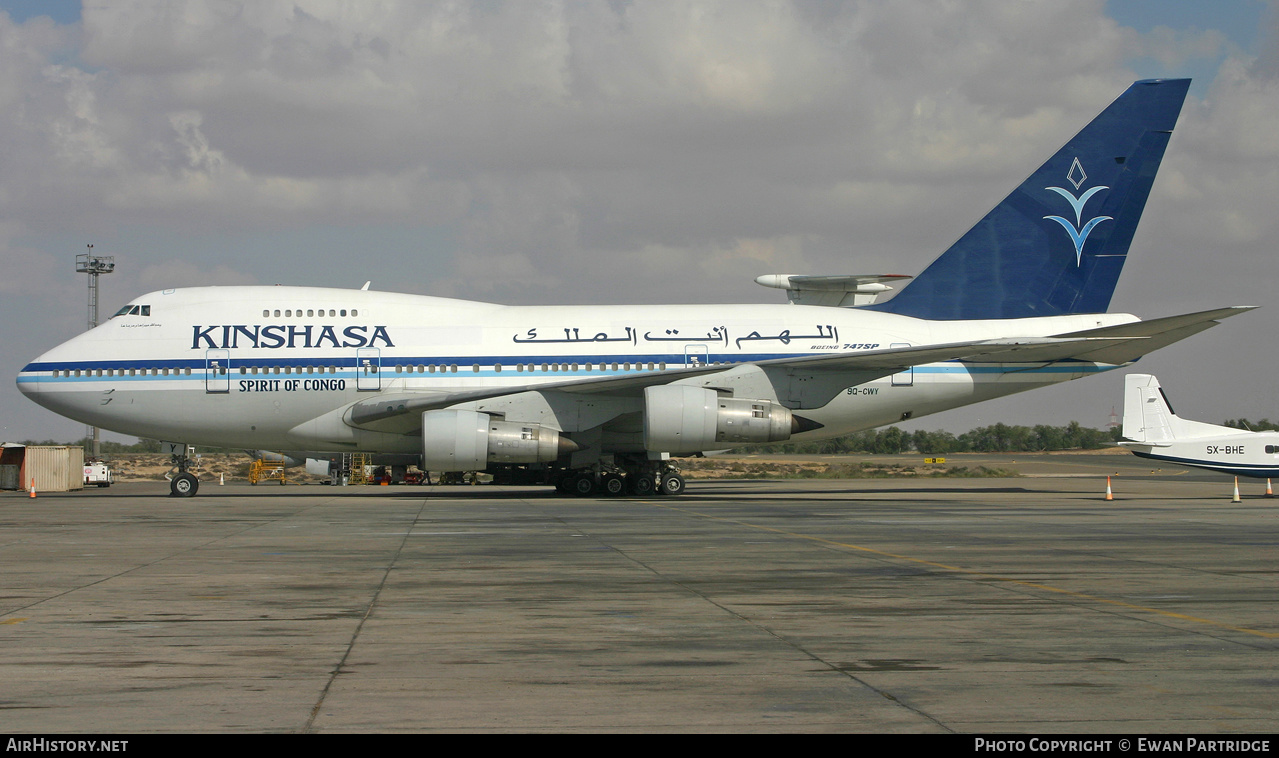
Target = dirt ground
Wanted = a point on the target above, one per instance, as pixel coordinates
(234, 467)
(132, 467)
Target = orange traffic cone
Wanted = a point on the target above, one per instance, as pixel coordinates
(1269, 492)
(1236, 499)
(1109, 494)
(33, 487)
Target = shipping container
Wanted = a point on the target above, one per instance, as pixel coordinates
(53, 469)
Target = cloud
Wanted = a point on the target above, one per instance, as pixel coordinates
(168, 274)
(541, 151)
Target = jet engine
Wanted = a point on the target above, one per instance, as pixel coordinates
(683, 419)
(458, 440)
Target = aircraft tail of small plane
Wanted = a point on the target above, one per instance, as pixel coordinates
(1057, 243)
(1150, 420)
(1152, 430)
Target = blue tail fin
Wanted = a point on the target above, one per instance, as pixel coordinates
(1056, 245)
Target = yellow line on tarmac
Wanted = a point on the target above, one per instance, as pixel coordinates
(979, 574)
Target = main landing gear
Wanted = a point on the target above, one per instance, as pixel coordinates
(184, 484)
(640, 481)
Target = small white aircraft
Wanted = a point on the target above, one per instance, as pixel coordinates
(599, 398)
(1152, 430)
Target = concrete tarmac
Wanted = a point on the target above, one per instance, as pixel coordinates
(1024, 604)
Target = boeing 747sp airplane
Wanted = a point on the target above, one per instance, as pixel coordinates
(601, 397)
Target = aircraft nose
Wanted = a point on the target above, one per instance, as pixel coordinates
(29, 380)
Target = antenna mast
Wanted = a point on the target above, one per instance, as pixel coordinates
(94, 265)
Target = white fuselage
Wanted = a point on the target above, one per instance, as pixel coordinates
(257, 367)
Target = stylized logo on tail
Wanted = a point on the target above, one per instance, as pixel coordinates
(1078, 231)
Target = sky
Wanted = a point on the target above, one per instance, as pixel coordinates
(544, 152)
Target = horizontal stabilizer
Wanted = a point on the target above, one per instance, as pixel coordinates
(1155, 333)
(840, 291)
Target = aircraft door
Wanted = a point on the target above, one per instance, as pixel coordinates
(905, 378)
(695, 356)
(368, 369)
(217, 371)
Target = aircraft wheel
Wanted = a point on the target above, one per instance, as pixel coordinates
(672, 484)
(564, 484)
(642, 485)
(584, 485)
(613, 485)
(184, 485)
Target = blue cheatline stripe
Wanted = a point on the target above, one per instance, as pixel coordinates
(506, 361)
(1243, 469)
(464, 364)
(349, 361)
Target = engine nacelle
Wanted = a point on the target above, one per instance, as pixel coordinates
(684, 419)
(455, 440)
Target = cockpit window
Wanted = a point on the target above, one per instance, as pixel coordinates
(134, 310)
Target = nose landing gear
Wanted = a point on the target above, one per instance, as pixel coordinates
(185, 484)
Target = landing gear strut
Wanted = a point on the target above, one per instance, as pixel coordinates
(184, 484)
(635, 477)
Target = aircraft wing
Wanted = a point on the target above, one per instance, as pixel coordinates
(400, 413)
(1154, 334)
(397, 413)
